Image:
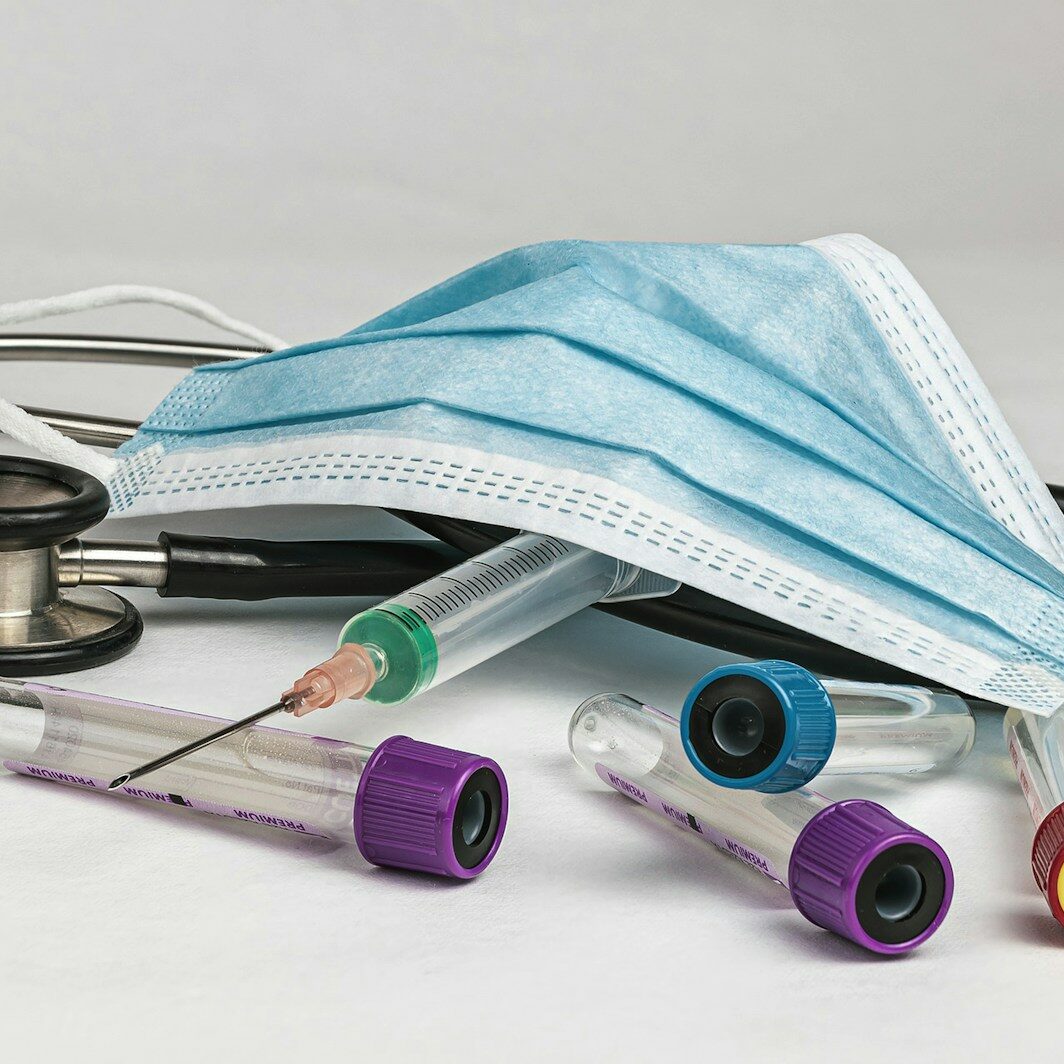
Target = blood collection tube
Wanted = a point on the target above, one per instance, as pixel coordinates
(1034, 745)
(772, 726)
(406, 804)
(850, 866)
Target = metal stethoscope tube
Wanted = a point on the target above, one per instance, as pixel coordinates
(38, 347)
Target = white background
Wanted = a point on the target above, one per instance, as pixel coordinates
(306, 165)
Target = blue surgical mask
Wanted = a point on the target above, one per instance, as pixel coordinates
(793, 428)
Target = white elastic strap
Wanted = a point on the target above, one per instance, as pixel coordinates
(36, 434)
(114, 294)
(43, 438)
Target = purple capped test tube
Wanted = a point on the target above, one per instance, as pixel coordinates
(405, 803)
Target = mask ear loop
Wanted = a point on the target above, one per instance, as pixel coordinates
(24, 427)
(34, 433)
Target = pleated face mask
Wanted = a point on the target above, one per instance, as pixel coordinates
(793, 428)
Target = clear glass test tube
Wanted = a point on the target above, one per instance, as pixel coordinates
(773, 726)
(1036, 749)
(404, 803)
(451, 622)
(850, 866)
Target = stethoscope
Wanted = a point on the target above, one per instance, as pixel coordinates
(55, 615)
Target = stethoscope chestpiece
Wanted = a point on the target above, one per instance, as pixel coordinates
(44, 629)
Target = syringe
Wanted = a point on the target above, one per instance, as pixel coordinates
(451, 622)
(1036, 747)
(772, 726)
(406, 804)
(850, 866)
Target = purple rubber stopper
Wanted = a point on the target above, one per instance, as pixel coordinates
(430, 809)
(861, 872)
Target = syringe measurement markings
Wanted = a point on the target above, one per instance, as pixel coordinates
(513, 567)
(543, 555)
(446, 602)
(530, 560)
(491, 574)
(519, 564)
(525, 561)
(466, 592)
(551, 548)
(457, 595)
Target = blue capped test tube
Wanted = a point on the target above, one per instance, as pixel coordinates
(772, 726)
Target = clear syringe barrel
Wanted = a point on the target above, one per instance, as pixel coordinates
(773, 726)
(478, 609)
(403, 803)
(850, 866)
(1036, 749)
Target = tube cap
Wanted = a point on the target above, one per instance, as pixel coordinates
(430, 809)
(793, 723)
(1047, 860)
(861, 872)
